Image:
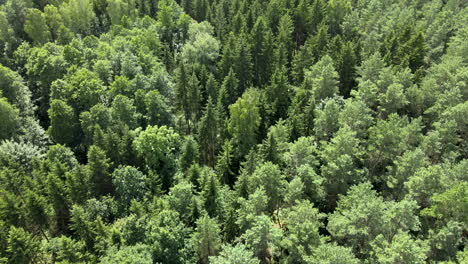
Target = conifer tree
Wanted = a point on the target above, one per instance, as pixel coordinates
(207, 238)
(262, 50)
(208, 134)
(182, 92)
(98, 166)
(22, 246)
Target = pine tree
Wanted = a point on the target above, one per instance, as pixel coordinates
(182, 93)
(200, 9)
(10, 118)
(262, 50)
(189, 153)
(211, 89)
(313, 49)
(322, 79)
(210, 196)
(208, 134)
(22, 246)
(207, 238)
(37, 212)
(194, 98)
(224, 163)
(277, 97)
(238, 56)
(316, 15)
(57, 196)
(263, 238)
(229, 91)
(218, 19)
(346, 67)
(98, 166)
(284, 45)
(300, 22)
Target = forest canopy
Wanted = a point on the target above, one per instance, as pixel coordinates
(234, 131)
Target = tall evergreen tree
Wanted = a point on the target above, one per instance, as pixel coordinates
(284, 45)
(277, 96)
(207, 238)
(193, 100)
(22, 246)
(182, 92)
(208, 134)
(262, 50)
(98, 166)
(229, 91)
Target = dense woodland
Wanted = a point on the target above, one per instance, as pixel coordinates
(233, 131)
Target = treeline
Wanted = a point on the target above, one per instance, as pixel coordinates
(233, 131)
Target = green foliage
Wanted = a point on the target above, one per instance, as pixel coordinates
(277, 96)
(19, 156)
(67, 249)
(124, 111)
(444, 241)
(202, 48)
(391, 138)
(341, 163)
(244, 122)
(128, 254)
(263, 238)
(229, 91)
(207, 238)
(15, 91)
(406, 165)
(37, 214)
(36, 26)
(322, 79)
(402, 249)
(310, 52)
(181, 199)
(361, 216)
(302, 223)
(188, 153)
(224, 163)
(210, 194)
(270, 177)
(129, 184)
(9, 115)
(332, 253)
(238, 56)
(237, 254)
(450, 205)
(208, 134)
(284, 44)
(326, 118)
(157, 146)
(167, 237)
(98, 167)
(405, 47)
(63, 123)
(425, 182)
(157, 112)
(178, 131)
(261, 48)
(79, 16)
(22, 246)
(357, 116)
